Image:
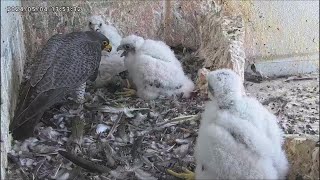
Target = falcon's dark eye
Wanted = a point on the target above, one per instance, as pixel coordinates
(105, 43)
(100, 24)
(90, 23)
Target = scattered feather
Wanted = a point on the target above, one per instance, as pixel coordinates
(140, 174)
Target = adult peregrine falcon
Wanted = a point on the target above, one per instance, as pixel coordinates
(112, 63)
(65, 64)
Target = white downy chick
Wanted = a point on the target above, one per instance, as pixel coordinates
(111, 63)
(96, 23)
(238, 138)
(154, 69)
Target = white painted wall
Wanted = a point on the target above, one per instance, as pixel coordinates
(12, 60)
(282, 37)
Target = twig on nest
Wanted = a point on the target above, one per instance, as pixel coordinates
(115, 125)
(39, 166)
(86, 164)
(273, 99)
(300, 79)
(136, 146)
(110, 109)
(23, 173)
(107, 152)
(56, 173)
(181, 119)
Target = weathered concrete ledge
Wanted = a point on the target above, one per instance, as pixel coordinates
(303, 155)
(12, 62)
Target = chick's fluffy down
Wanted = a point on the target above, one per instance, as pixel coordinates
(155, 70)
(240, 139)
(111, 63)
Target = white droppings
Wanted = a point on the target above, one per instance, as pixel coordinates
(101, 128)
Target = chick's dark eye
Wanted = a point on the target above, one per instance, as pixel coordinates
(100, 24)
(126, 46)
(90, 23)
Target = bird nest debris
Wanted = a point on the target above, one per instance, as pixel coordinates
(129, 138)
(294, 100)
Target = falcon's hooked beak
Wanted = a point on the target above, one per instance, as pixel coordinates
(107, 47)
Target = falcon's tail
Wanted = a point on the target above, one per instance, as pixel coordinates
(24, 97)
(30, 113)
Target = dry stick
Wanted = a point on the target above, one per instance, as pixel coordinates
(300, 79)
(39, 166)
(273, 99)
(86, 164)
(24, 173)
(115, 124)
(159, 126)
(136, 145)
(56, 173)
(109, 109)
(181, 118)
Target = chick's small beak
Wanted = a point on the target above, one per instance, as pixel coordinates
(108, 47)
(124, 54)
(120, 48)
(210, 92)
(210, 96)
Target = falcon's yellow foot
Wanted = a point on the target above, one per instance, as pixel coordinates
(127, 92)
(187, 175)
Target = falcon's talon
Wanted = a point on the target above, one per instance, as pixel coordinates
(128, 83)
(127, 92)
(76, 149)
(187, 174)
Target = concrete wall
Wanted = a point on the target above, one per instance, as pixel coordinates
(282, 37)
(12, 60)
